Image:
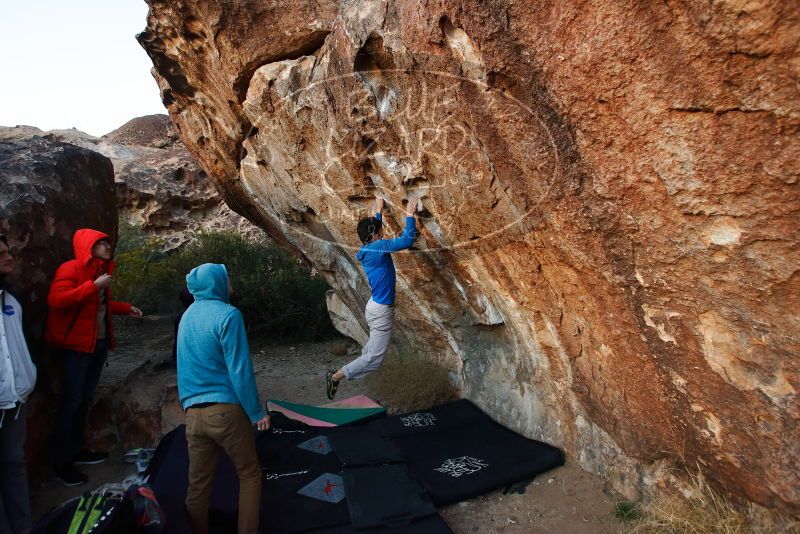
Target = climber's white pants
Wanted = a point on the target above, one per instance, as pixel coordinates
(379, 319)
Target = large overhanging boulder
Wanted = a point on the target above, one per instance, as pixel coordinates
(609, 251)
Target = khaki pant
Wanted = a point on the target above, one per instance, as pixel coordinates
(225, 427)
(380, 318)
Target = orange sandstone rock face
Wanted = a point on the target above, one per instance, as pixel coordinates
(608, 255)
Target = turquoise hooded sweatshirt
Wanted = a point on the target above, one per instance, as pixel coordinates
(213, 355)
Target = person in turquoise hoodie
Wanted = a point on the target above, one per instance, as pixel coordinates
(217, 389)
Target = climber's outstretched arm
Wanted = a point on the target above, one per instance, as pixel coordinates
(404, 240)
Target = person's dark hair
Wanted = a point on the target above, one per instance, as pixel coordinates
(367, 228)
(186, 298)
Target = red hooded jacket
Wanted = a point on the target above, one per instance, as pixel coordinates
(74, 299)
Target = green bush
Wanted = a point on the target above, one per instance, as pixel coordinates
(144, 275)
(278, 295)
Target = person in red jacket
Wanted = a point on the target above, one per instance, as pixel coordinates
(79, 324)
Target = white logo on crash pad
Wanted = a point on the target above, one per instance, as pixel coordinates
(418, 419)
(463, 465)
(276, 476)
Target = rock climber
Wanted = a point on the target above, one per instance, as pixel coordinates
(375, 256)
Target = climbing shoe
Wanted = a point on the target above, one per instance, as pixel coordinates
(90, 458)
(331, 385)
(69, 476)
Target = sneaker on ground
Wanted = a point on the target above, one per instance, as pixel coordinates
(331, 385)
(90, 458)
(69, 476)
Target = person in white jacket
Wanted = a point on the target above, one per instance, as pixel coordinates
(17, 378)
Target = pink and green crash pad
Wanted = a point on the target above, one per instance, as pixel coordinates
(336, 413)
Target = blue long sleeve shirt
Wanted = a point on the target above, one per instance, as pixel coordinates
(376, 258)
(213, 354)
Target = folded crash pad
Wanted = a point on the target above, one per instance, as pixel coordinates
(324, 416)
(359, 401)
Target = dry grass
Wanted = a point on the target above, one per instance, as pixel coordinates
(409, 382)
(698, 509)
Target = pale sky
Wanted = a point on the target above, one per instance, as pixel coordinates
(74, 63)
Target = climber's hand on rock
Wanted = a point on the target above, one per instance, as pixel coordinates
(413, 205)
(378, 204)
(135, 312)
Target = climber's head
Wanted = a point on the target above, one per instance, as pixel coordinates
(369, 229)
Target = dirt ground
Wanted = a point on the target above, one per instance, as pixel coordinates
(565, 500)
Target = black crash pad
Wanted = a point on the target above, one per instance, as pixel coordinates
(465, 453)
(384, 495)
(361, 446)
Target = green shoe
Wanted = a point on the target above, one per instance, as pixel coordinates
(331, 385)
